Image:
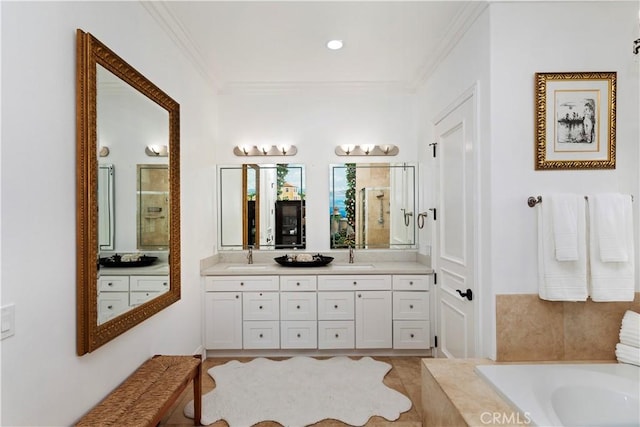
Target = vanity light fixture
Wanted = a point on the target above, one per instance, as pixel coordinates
(367, 150)
(265, 150)
(335, 44)
(157, 150)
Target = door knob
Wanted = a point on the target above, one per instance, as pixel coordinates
(468, 294)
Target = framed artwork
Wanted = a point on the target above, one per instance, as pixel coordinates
(575, 120)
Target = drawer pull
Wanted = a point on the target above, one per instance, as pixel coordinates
(110, 284)
(298, 307)
(411, 306)
(411, 283)
(297, 283)
(237, 296)
(110, 307)
(241, 283)
(260, 335)
(355, 283)
(359, 295)
(335, 306)
(411, 335)
(164, 284)
(298, 335)
(260, 307)
(337, 335)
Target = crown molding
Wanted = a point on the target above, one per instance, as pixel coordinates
(257, 87)
(181, 37)
(461, 24)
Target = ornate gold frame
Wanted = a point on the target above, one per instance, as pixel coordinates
(606, 157)
(90, 335)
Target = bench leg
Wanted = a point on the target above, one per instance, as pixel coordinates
(197, 396)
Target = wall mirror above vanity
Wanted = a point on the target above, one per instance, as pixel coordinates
(372, 205)
(262, 206)
(128, 196)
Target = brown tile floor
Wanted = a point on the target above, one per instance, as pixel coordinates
(404, 377)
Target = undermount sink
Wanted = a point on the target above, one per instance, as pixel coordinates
(246, 267)
(352, 266)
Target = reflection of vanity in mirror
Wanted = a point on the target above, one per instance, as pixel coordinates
(128, 196)
(372, 206)
(262, 206)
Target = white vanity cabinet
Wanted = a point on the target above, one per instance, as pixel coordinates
(242, 312)
(317, 311)
(298, 312)
(355, 311)
(119, 293)
(411, 326)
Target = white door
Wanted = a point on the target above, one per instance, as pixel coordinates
(454, 231)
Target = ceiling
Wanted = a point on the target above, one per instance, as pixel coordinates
(264, 44)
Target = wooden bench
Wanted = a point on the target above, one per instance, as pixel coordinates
(146, 395)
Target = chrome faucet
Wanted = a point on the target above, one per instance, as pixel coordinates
(351, 254)
(250, 255)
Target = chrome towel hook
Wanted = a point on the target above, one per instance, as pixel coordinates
(532, 201)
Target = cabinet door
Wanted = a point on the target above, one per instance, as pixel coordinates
(373, 319)
(223, 320)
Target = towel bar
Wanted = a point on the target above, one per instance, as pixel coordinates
(532, 201)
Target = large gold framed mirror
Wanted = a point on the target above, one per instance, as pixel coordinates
(144, 279)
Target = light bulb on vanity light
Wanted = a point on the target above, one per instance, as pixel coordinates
(283, 147)
(265, 148)
(367, 148)
(347, 148)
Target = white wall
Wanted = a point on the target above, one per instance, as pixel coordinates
(506, 46)
(316, 121)
(546, 37)
(43, 380)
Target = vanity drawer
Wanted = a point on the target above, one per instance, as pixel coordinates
(113, 284)
(336, 334)
(260, 306)
(410, 283)
(298, 334)
(149, 283)
(335, 305)
(259, 335)
(241, 283)
(112, 304)
(298, 283)
(137, 298)
(411, 334)
(354, 282)
(298, 306)
(410, 305)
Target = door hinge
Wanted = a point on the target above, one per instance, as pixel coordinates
(433, 146)
(435, 278)
(435, 341)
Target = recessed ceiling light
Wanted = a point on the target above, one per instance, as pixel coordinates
(334, 44)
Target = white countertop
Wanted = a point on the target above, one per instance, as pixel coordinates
(158, 269)
(361, 268)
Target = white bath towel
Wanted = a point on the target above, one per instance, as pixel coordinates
(610, 211)
(628, 354)
(564, 217)
(630, 329)
(561, 280)
(611, 280)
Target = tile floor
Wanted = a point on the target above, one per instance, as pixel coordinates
(404, 377)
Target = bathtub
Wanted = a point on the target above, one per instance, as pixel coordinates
(602, 395)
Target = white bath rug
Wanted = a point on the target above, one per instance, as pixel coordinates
(300, 391)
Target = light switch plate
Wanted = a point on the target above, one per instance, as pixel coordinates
(7, 323)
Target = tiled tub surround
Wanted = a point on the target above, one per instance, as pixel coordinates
(531, 329)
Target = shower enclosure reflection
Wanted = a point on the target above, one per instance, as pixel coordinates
(372, 205)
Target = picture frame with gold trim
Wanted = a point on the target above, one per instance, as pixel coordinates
(575, 117)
